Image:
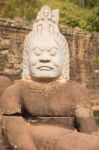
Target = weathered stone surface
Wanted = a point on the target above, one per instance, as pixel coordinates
(11, 41)
(83, 50)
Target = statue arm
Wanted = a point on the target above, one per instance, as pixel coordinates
(84, 118)
(9, 107)
(13, 125)
(17, 131)
(85, 121)
(10, 101)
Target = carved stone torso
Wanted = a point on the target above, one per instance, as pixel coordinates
(50, 99)
(50, 102)
(43, 105)
(46, 101)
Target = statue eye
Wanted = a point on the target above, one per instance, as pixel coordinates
(37, 51)
(53, 51)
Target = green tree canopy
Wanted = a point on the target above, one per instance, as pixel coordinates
(72, 14)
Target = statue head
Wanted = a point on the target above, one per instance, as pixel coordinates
(46, 53)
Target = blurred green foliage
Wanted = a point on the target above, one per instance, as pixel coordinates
(87, 3)
(97, 58)
(72, 14)
(26, 9)
(91, 3)
(96, 114)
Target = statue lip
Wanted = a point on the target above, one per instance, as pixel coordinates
(47, 68)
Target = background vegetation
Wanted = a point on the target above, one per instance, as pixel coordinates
(80, 13)
(96, 114)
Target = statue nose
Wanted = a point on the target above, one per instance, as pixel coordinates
(44, 58)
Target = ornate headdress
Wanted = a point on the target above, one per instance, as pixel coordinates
(46, 28)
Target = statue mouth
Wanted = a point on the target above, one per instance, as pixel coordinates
(45, 68)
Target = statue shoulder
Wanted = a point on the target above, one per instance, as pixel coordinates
(10, 100)
(78, 92)
(74, 85)
(5, 82)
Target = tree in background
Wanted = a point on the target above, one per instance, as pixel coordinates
(93, 21)
(74, 13)
(26, 9)
(87, 3)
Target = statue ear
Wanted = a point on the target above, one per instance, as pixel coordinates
(55, 16)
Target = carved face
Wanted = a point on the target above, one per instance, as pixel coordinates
(46, 13)
(46, 60)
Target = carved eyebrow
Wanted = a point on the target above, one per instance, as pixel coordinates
(47, 49)
(53, 48)
(36, 47)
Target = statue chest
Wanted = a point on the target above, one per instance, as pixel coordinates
(47, 103)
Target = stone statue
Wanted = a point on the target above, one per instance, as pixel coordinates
(46, 44)
(45, 110)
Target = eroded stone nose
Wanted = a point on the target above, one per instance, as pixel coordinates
(44, 58)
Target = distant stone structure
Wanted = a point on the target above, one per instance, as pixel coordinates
(43, 110)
